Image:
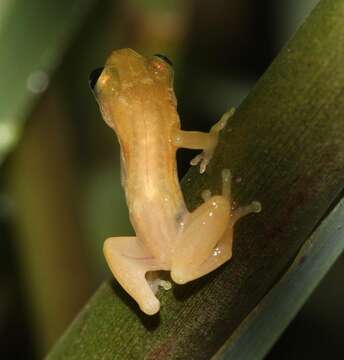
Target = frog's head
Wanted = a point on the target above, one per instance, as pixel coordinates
(131, 83)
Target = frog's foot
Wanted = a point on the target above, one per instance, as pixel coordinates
(254, 207)
(129, 262)
(226, 187)
(208, 151)
(155, 281)
(236, 214)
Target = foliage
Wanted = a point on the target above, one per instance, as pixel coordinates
(285, 147)
(48, 26)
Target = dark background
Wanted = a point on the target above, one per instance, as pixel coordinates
(60, 194)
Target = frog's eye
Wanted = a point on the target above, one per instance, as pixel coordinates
(94, 76)
(165, 58)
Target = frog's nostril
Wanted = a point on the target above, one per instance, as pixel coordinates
(94, 76)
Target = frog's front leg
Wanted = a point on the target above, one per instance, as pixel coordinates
(207, 240)
(201, 140)
(129, 262)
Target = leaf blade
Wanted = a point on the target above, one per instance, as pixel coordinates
(33, 36)
(259, 331)
(286, 142)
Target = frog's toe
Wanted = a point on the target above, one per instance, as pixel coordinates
(254, 207)
(202, 159)
(196, 160)
(150, 306)
(226, 184)
(178, 277)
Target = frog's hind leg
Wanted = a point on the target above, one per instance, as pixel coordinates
(129, 262)
(223, 249)
(241, 211)
(203, 229)
(210, 245)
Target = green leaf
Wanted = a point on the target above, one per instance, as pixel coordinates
(33, 36)
(263, 326)
(285, 147)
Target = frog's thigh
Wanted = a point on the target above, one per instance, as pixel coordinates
(220, 254)
(129, 261)
(204, 228)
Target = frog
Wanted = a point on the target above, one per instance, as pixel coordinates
(136, 99)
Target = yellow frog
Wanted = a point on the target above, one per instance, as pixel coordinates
(136, 98)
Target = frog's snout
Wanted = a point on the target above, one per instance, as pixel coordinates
(94, 76)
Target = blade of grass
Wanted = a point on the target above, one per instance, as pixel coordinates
(285, 147)
(263, 326)
(33, 36)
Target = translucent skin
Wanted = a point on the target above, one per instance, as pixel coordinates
(137, 101)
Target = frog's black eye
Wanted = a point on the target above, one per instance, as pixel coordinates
(94, 76)
(165, 58)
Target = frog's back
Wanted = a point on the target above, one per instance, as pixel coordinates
(142, 111)
(151, 183)
(136, 98)
(150, 155)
